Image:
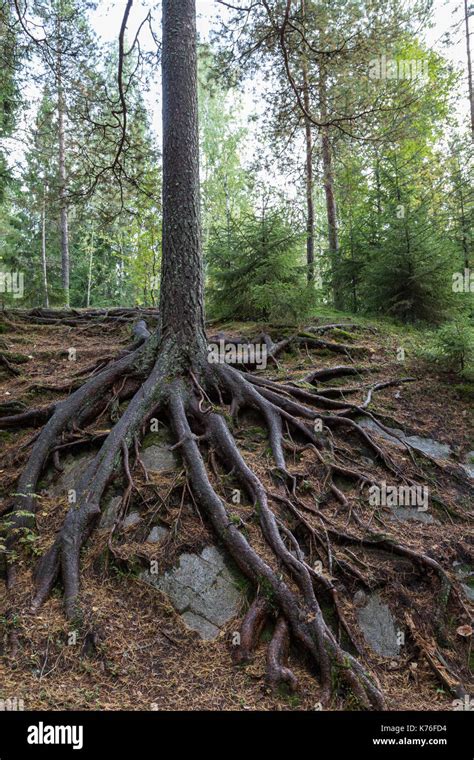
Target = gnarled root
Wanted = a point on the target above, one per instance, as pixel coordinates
(250, 630)
(284, 578)
(278, 672)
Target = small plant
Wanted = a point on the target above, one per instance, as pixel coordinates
(29, 539)
(452, 347)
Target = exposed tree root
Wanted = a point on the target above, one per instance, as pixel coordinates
(76, 317)
(286, 582)
(4, 362)
(329, 373)
(250, 630)
(438, 665)
(278, 672)
(78, 409)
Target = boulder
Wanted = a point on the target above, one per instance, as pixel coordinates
(408, 514)
(157, 534)
(378, 626)
(202, 589)
(158, 458)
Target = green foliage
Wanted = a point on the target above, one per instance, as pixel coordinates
(9, 91)
(409, 276)
(399, 243)
(401, 166)
(452, 347)
(256, 270)
(114, 217)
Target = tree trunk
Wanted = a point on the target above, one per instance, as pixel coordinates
(469, 65)
(464, 229)
(181, 296)
(309, 167)
(63, 206)
(43, 250)
(331, 210)
(89, 276)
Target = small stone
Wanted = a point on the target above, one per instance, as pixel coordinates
(360, 598)
(468, 592)
(73, 470)
(405, 514)
(158, 459)
(201, 588)
(110, 513)
(132, 519)
(468, 466)
(157, 534)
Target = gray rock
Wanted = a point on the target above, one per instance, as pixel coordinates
(430, 446)
(157, 534)
(378, 626)
(158, 458)
(468, 465)
(73, 469)
(465, 573)
(360, 598)
(110, 513)
(132, 519)
(407, 514)
(203, 627)
(468, 591)
(426, 445)
(202, 590)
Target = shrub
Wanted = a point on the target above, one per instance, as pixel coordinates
(256, 270)
(452, 347)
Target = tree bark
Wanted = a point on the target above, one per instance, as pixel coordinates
(469, 65)
(181, 293)
(43, 249)
(331, 209)
(309, 166)
(63, 205)
(89, 276)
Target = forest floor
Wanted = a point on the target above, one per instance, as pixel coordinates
(147, 659)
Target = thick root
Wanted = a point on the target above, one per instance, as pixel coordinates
(278, 672)
(250, 630)
(286, 584)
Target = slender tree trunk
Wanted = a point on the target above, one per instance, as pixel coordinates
(43, 249)
(469, 65)
(464, 226)
(181, 297)
(89, 276)
(464, 229)
(378, 187)
(331, 209)
(309, 202)
(121, 267)
(227, 206)
(353, 280)
(309, 166)
(63, 205)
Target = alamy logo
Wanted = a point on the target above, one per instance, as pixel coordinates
(237, 353)
(398, 68)
(12, 704)
(399, 496)
(463, 282)
(467, 703)
(42, 734)
(12, 282)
